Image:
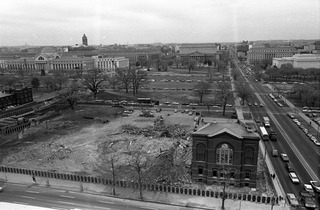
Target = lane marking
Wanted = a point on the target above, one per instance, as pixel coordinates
(151, 208)
(29, 191)
(101, 207)
(23, 196)
(66, 196)
(107, 202)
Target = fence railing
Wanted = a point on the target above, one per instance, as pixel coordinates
(146, 186)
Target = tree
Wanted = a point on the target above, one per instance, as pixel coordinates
(113, 82)
(35, 83)
(138, 78)
(201, 89)
(93, 79)
(72, 95)
(177, 61)
(21, 72)
(49, 82)
(124, 76)
(209, 74)
(235, 74)
(224, 94)
(244, 91)
(191, 64)
(138, 161)
(60, 77)
(8, 80)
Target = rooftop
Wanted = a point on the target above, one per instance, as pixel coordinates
(233, 128)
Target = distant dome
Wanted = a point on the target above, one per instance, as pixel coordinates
(49, 50)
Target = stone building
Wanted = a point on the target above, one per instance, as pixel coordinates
(303, 61)
(15, 97)
(225, 151)
(257, 54)
(84, 40)
(199, 52)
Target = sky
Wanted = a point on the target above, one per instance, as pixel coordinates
(63, 22)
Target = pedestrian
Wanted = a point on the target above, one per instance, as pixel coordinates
(33, 179)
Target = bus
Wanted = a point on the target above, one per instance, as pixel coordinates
(264, 134)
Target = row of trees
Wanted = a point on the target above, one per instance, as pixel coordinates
(308, 93)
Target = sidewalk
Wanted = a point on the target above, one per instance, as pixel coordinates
(179, 200)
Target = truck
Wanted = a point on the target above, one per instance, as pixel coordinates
(266, 121)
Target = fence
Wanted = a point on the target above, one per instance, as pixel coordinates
(145, 186)
(15, 128)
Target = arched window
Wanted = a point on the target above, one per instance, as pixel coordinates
(248, 156)
(40, 58)
(201, 152)
(224, 154)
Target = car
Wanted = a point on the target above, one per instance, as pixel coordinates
(290, 115)
(175, 103)
(228, 105)
(305, 130)
(275, 153)
(295, 120)
(193, 104)
(261, 105)
(294, 178)
(308, 200)
(309, 189)
(249, 104)
(316, 142)
(316, 186)
(293, 201)
(257, 120)
(255, 103)
(284, 157)
(289, 167)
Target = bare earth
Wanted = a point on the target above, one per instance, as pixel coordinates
(70, 143)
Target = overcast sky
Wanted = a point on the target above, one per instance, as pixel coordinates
(63, 22)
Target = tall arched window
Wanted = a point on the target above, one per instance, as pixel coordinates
(248, 156)
(224, 154)
(40, 58)
(201, 152)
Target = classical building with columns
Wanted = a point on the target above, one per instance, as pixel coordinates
(49, 60)
(303, 61)
(199, 52)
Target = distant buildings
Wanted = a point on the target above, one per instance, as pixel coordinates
(84, 40)
(199, 52)
(303, 61)
(225, 151)
(258, 54)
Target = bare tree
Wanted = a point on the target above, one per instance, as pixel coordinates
(8, 80)
(72, 95)
(48, 81)
(224, 94)
(244, 91)
(113, 82)
(124, 76)
(138, 78)
(138, 161)
(60, 77)
(93, 79)
(201, 89)
(191, 64)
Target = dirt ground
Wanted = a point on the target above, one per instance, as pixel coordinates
(82, 142)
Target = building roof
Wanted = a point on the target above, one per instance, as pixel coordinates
(232, 128)
(4, 94)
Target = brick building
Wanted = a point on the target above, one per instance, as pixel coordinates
(225, 151)
(15, 97)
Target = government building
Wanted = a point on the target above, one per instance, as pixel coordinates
(199, 52)
(303, 61)
(257, 54)
(50, 59)
(225, 152)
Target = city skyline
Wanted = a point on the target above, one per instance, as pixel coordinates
(140, 21)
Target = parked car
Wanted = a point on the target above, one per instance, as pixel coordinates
(290, 115)
(255, 103)
(293, 201)
(309, 189)
(316, 186)
(261, 105)
(294, 178)
(284, 157)
(308, 200)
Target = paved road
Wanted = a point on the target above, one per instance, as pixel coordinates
(61, 199)
(303, 153)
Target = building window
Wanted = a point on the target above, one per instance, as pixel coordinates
(200, 170)
(201, 152)
(248, 156)
(232, 174)
(247, 174)
(40, 58)
(224, 154)
(214, 172)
